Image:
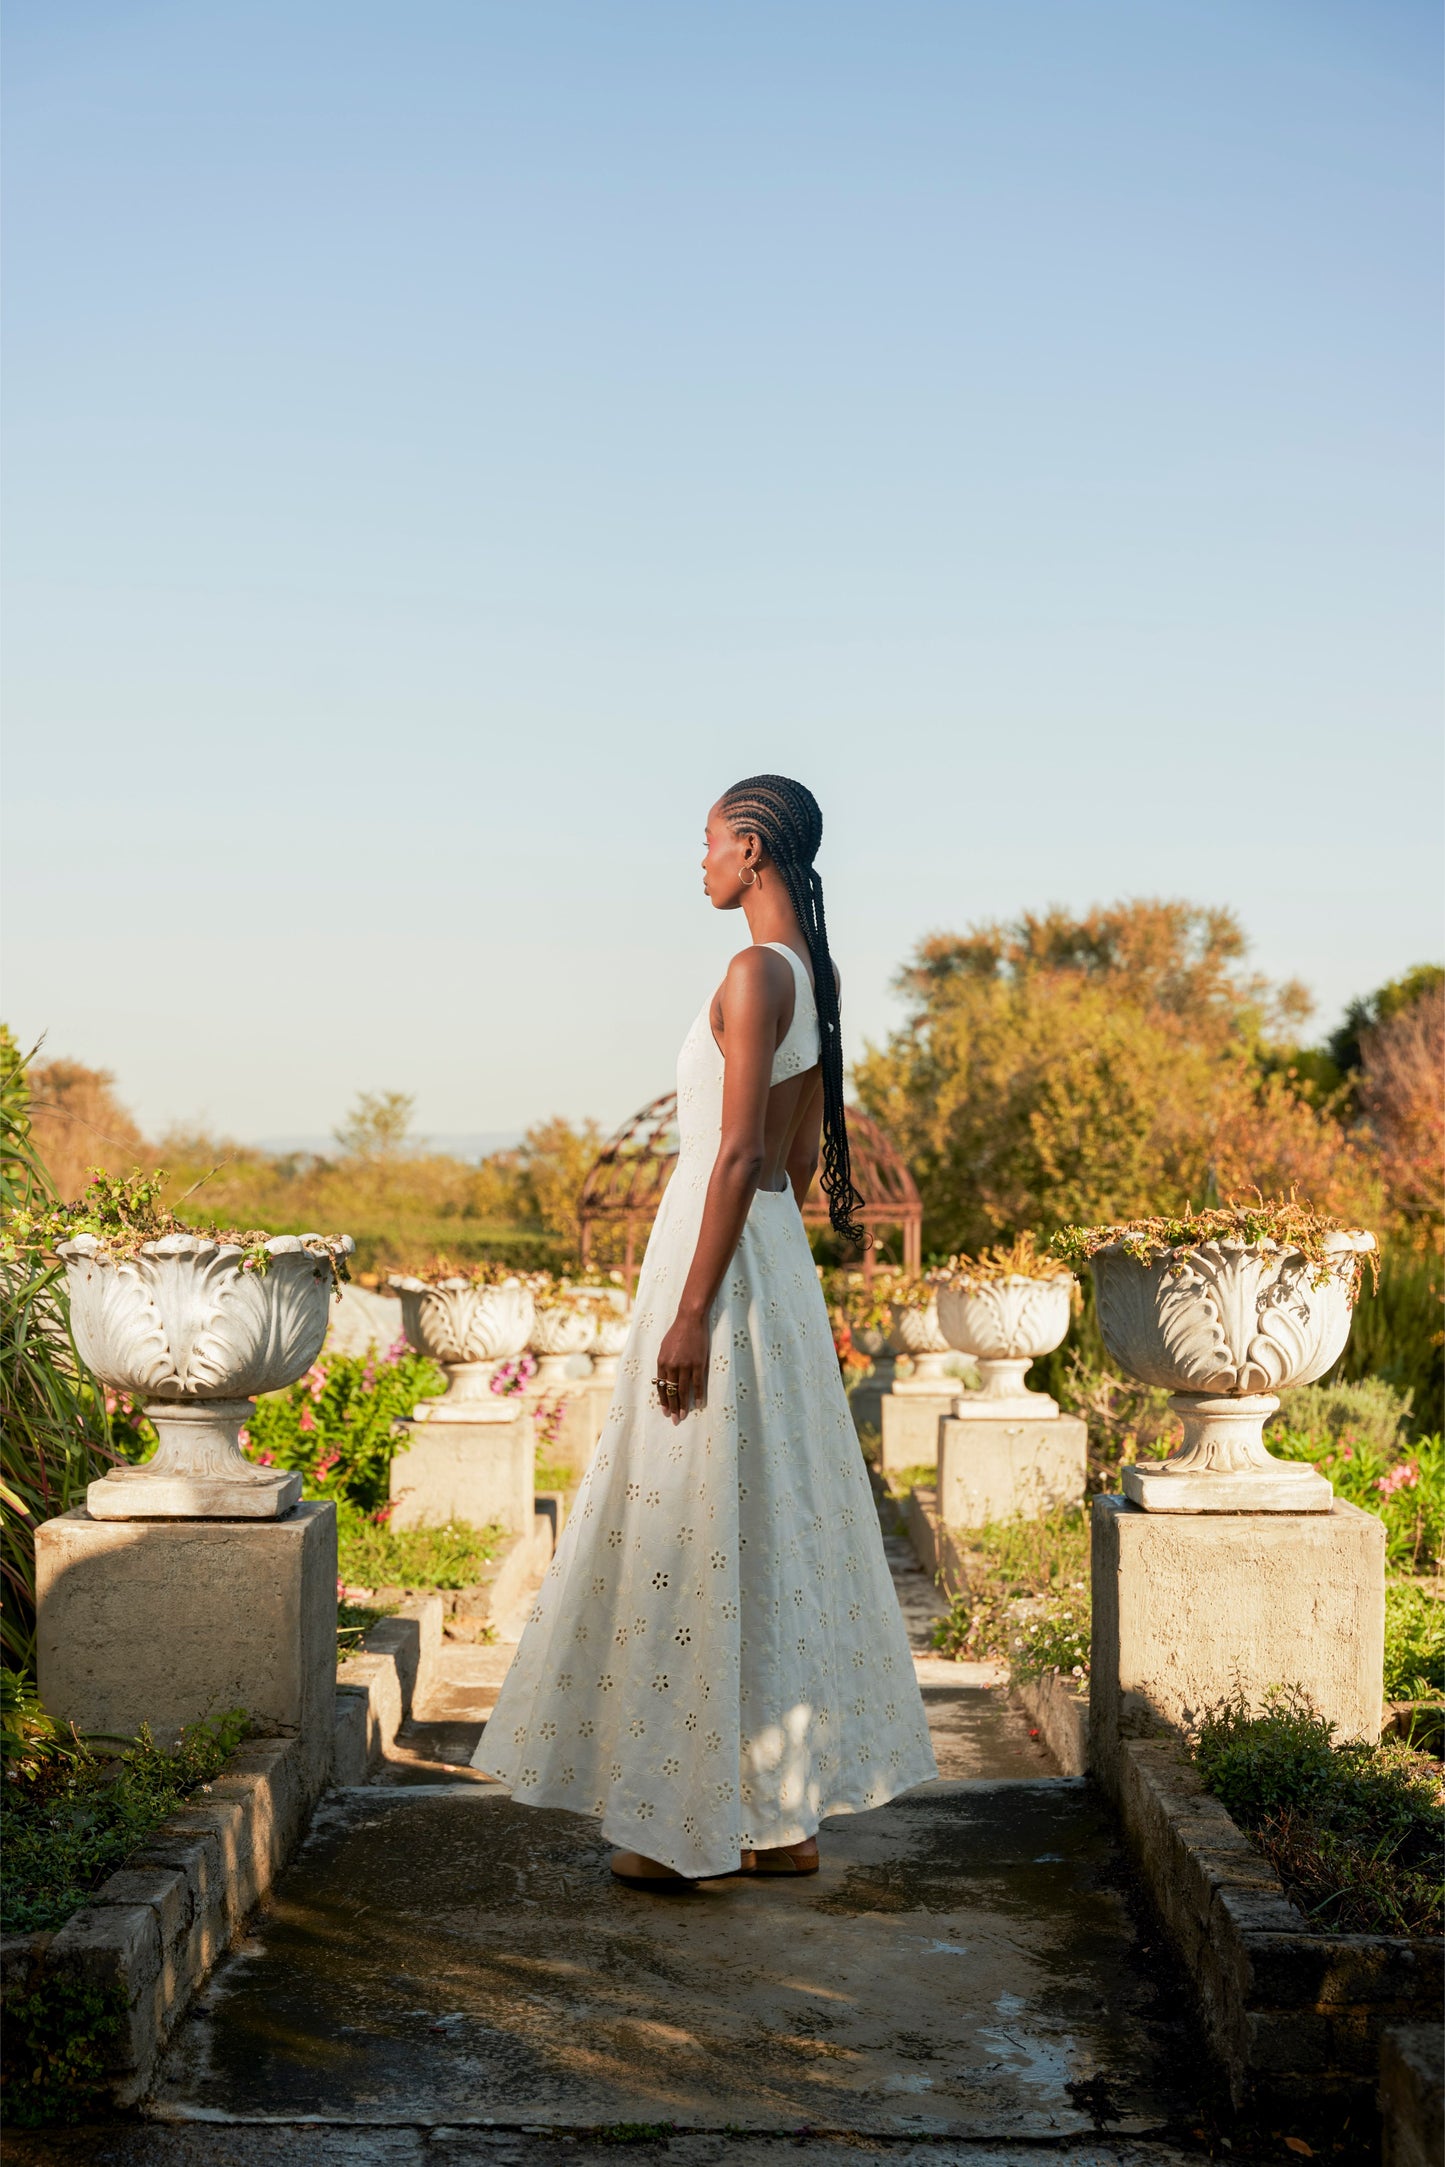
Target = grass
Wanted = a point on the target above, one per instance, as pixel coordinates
(74, 1813)
(354, 1621)
(1025, 1596)
(1355, 1832)
(454, 1556)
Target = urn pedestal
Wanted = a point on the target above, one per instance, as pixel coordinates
(1189, 1610)
(1009, 1470)
(164, 1621)
(479, 1473)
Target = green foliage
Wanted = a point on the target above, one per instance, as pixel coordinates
(70, 1821)
(1414, 1642)
(1367, 1412)
(59, 2037)
(1025, 1087)
(1058, 1640)
(354, 1621)
(55, 1430)
(1019, 1575)
(372, 1556)
(334, 1426)
(1398, 1332)
(32, 1743)
(1355, 1832)
(1391, 999)
(1407, 1492)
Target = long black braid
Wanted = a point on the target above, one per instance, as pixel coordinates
(788, 823)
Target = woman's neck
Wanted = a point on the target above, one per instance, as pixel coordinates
(769, 911)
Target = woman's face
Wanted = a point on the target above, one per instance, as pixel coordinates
(723, 861)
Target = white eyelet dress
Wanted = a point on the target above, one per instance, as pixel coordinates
(716, 1659)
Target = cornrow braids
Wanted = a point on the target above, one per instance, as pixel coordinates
(788, 823)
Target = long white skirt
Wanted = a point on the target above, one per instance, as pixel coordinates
(716, 1660)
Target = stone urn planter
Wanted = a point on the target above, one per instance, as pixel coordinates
(1005, 1323)
(561, 1330)
(1222, 1326)
(915, 1332)
(469, 1327)
(612, 1331)
(189, 1329)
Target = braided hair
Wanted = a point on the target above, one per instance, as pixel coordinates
(787, 822)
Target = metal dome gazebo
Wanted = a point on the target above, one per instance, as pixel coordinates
(625, 1183)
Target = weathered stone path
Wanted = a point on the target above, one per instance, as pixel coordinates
(443, 1976)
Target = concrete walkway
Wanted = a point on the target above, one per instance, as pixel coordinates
(444, 1977)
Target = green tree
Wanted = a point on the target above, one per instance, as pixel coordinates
(1062, 1068)
(378, 1126)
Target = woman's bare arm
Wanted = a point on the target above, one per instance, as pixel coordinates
(753, 997)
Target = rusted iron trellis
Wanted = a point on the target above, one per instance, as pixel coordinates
(626, 1182)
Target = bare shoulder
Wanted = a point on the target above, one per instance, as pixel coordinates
(758, 973)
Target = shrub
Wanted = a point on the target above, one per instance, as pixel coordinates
(55, 1429)
(1355, 1832)
(71, 1819)
(1406, 1491)
(1368, 1412)
(335, 1426)
(1414, 1643)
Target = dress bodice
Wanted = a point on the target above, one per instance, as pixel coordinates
(700, 1063)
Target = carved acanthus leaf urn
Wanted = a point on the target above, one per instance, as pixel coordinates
(561, 1329)
(187, 1327)
(1005, 1324)
(1222, 1327)
(469, 1328)
(914, 1331)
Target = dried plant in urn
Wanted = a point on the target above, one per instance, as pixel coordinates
(1005, 1307)
(1224, 1308)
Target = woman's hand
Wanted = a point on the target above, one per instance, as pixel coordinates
(682, 1365)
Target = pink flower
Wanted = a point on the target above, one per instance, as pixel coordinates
(316, 1380)
(1347, 1452)
(368, 1378)
(1404, 1477)
(396, 1350)
(243, 1439)
(324, 1467)
(111, 1402)
(265, 1459)
(308, 1420)
(383, 1513)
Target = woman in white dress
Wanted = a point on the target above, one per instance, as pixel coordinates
(716, 1660)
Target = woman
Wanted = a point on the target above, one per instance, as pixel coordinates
(716, 1660)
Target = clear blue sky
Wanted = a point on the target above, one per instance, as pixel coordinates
(448, 443)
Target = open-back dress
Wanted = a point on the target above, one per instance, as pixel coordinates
(716, 1660)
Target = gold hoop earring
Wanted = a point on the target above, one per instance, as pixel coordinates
(752, 869)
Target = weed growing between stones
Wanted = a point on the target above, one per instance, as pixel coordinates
(1355, 1832)
(74, 1813)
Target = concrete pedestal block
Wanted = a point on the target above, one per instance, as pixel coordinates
(910, 1428)
(1187, 1609)
(164, 1621)
(475, 1472)
(1009, 1470)
(584, 1407)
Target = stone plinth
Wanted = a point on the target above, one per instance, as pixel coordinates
(910, 1428)
(477, 1472)
(163, 1621)
(1009, 1470)
(1188, 1608)
(584, 1410)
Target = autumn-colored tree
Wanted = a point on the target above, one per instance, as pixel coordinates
(77, 1122)
(1073, 1069)
(1402, 1094)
